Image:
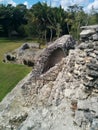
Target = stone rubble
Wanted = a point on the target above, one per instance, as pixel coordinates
(65, 97)
(89, 33)
(26, 54)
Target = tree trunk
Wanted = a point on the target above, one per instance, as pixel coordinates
(51, 33)
(45, 36)
(68, 28)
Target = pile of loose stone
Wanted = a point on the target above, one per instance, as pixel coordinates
(89, 33)
(63, 98)
(26, 54)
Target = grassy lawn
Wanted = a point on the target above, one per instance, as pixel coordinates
(10, 74)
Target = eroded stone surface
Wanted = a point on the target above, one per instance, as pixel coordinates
(89, 33)
(26, 54)
(63, 98)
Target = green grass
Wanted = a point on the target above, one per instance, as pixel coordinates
(10, 74)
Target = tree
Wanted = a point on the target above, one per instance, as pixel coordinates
(76, 18)
(12, 18)
(93, 16)
(19, 18)
(42, 21)
(6, 19)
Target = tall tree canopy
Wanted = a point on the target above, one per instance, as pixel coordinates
(43, 21)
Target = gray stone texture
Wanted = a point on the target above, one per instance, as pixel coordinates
(89, 33)
(26, 54)
(63, 97)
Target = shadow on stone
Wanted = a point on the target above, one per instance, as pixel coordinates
(55, 57)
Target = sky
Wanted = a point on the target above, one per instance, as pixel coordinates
(87, 4)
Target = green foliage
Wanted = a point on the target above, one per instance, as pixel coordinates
(10, 74)
(11, 18)
(76, 18)
(41, 21)
(93, 17)
(44, 22)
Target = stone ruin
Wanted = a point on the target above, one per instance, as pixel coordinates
(29, 54)
(61, 95)
(89, 33)
(53, 54)
(26, 54)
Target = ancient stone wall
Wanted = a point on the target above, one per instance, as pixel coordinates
(63, 97)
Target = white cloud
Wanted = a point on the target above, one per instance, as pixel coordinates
(85, 3)
(81, 2)
(8, 2)
(26, 3)
(93, 4)
(55, 3)
(66, 3)
(1, 0)
(11, 2)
